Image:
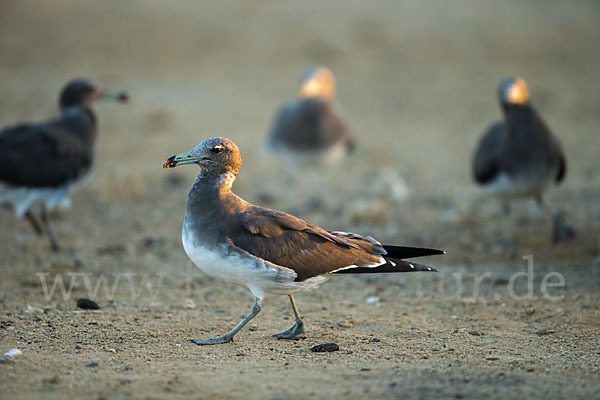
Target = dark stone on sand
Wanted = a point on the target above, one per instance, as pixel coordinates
(501, 281)
(544, 332)
(325, 347)
(91, 365)
(87, 304)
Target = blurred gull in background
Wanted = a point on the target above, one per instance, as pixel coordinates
(309, 132)
(41, 162)
(519, 157)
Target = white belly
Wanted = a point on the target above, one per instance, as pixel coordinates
(310, 158)
(258, 275)
(22, 198)
(504, 187)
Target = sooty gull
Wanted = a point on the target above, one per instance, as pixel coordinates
(41, 161)
(265, 250)
(310, 129)
(519, 157)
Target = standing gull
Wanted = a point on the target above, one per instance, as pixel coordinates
(310, 129)
(265, 250)
(519, 157)
(41, 161)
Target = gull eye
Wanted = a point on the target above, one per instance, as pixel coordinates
(217, 149)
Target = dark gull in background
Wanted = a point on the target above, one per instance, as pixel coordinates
(310, 130)
(42, 161)
(265, 250)
(519, 157)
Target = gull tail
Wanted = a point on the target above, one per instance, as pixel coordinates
(402, 252)
(395, 262)
(389, 266)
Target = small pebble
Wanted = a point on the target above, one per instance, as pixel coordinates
(325, 347)
(544, 332)
(12, 353)
(500, 281)
(375, 340)
(33, 310)
(87, 304)
(92, 364)
(372, 300)
(189, 304)
(51, 382)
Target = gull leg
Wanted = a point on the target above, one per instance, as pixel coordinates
(228, 337)
(35, 223)
(562, 231)
(296, 331)
(506, 243)
(539, 200)
(53, 241)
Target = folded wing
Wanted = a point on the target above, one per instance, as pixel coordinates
(309, 250)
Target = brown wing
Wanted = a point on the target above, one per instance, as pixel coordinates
(558, 156)
(52, 153)
(487, 155)
(553, 150)
(562, 169)
(293, 243)
(311, 251)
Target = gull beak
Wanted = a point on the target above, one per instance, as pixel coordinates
(114, 95)
(180, 159)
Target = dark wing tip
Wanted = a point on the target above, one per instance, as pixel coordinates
(402, 252)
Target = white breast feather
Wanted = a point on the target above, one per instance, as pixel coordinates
(256, 274)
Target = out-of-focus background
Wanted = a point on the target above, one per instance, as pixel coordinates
(417, 82)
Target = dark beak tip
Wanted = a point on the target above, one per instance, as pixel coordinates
(170, 163)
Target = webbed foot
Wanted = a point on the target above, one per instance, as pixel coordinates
(217, 340)
(294, 333)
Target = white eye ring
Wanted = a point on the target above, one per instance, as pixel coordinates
(217, 149)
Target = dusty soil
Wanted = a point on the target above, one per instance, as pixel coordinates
(417, 81)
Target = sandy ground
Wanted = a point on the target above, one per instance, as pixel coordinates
(417, 81)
